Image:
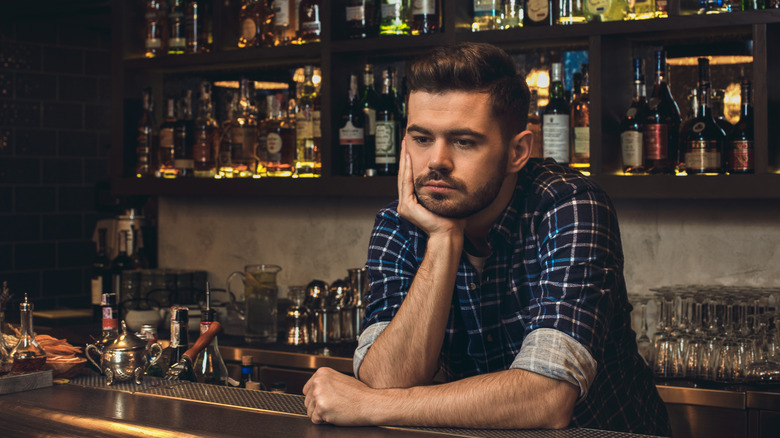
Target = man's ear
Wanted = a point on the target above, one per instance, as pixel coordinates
(519, 151)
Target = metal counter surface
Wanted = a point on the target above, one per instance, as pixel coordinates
(90, 409)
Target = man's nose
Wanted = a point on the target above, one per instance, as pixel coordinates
(440, 157)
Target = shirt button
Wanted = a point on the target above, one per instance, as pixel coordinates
(472, 286)
(490, 338)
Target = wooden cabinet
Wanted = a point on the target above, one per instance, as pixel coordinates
(610, 46)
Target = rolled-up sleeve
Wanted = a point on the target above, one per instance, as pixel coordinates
(365, 341)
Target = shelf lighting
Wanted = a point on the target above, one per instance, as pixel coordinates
(714, 60)
(259, 85)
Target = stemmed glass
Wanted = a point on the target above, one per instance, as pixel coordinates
(667, 357)
(766, 368)
(695, 352)
(643, 341)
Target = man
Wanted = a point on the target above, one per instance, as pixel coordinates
(504, 273)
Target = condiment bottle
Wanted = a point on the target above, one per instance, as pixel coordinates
(28, 356)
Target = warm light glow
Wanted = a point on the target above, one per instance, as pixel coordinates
(539, 80)
(731, 103)
(714, 60)
(259, 85)
(316, 77)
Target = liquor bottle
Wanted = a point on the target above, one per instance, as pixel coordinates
(205, 136)
(155, 28)
(183, 139)
(278, 137)
(180, 320)
(740, 156)
(209, 366)
(28, 356)
(662, 8)
(631, 125)
(487, 15)
(109, 317)
(716, 103)
(580, 123)
(352, 132)
(122, 262)
(166, 147)
(394, 17)
(387, 128)
(145, 140)
(539, 13)
(661, 125)
(101, 275)
(224, 162)
(361, 19)
(305, 156)
(535, 125)
(555, 120)
(256, 24)
(282, 22)
(138, 257)
(641, 10)
(704, 144)
(605, 10)
(369, 101)
(243, 133)
(196, 26)
(177, 37)
(690, 118)
(309, 25)
(570, 12)
(426, 18)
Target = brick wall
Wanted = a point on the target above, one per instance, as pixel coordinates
(55, 90)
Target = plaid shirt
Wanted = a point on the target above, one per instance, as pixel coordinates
(556, 263)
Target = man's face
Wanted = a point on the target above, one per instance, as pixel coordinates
(459, 159)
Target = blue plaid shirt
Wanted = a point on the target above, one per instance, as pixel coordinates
(556, 263)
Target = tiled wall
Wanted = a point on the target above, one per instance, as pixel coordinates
(54, 105)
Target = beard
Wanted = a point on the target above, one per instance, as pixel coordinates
(445, 206)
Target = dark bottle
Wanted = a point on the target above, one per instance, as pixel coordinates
(426, 17)
(539, 13)
(555, 120)
(122, 262)
(177, 38)
(180, 320)
(101, 275)
(394, 17)
(309, 25)
(183, 140)
(740, 156)
(580, 122)
(166, 150)
(369, 101)
(139, 258)
(661, 125)
(205, 136)
(196, 26)
(352, 132)
(307, 128)
(631, 125)
(256, 23)
(145, 141)
(361, 18)
(277, 139)
(694, 107)
(156, 28)
(109, 317)
(387, 128)
(704, 143)
(716, 104)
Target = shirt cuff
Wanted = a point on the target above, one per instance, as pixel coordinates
(556, 355)
(365, 341)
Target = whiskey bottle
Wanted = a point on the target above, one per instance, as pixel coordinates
(704, 144)
(394, 17)
(101, 275)
(145, 141)
(694, 106)
(256, 21)
(740, 156)
(426, 17)
(205, 136)
(361, 19)
(309, 25)
(580, 124)
(631, 125)
(306, 164)
(282, 22)
(555, 120)
(352, 132)
(166, 142)
(183, 162)
(224, 162)
(570, 12)
(177, 37)
(197, 26)
(539, 13)
(661, 125)
(278, 138)
(369, 101)
(243, 133)
(156, 28)
(487, 15)
(387, 128)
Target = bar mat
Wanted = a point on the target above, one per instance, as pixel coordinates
(496, 433)
(99, 381)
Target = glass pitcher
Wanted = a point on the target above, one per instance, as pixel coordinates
(260, 297)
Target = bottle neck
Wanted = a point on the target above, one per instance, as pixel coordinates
(746, 109)
(704, 100)
(556, 90)
(26, 324)
(640, 91)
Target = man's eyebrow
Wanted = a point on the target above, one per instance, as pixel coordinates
(450, 133)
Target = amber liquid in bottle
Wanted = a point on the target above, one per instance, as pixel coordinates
(740, 156)
(704, 143)
(631, 125)
(661, 125)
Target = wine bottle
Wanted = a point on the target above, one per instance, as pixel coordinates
(196, 25)
(361, 18)
(690, 118)
(306, 121)
(278, 139)
(145, 141)
(309, 25)
(425, 17)
(369, 101)
(205, 136)
(352, 132)
(661, 125)
(740, 156)
(282, 22)
(487, 15)
(166, 143)
(255, 20)
(183, 162)
(394, 17)
(704, 144)
(580, 123)
(156, 28)
(631, 125)
(717, 97)
(387, 128)
(177, 38)
(555, 120)
(101, 275)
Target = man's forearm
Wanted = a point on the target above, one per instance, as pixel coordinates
(416, 332)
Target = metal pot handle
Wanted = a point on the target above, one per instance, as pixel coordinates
(155, 357)
(89, 348)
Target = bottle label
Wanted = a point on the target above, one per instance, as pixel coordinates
(355, 13)
(304, 128)
(370, 120)
(282, 13)
(631, 146)
(385, 142)
(248, 29)
(391, 9)
(702, 156)
(538, 10)
(201, 150)
(698, 127)
(273, 143)
(597, 7)
(631, 113)
(177, 43)
(741, 156)
(555, 137)
(176, 333)
(311, 27)
(166, 138)
(423, 7)
(153, 43)
(183, 163)
(350, 134)
(655, 138)
(109, 321)
(316, 118)
(485, 8)
(582, 141)
(97, 289)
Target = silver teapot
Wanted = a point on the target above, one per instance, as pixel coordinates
(127, 358)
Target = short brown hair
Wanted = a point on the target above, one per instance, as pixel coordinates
(475, 67)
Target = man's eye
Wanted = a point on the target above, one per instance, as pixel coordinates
(421, 140)
(463, 143)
